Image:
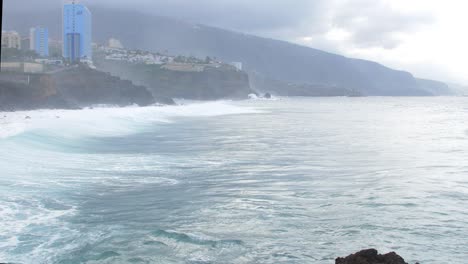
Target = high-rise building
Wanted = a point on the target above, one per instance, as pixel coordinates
(25, 43)
(77, 35)
(11, 39)
(39, 41)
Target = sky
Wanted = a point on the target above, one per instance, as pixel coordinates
(425, 37)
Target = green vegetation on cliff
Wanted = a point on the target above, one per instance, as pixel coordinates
(195, 81)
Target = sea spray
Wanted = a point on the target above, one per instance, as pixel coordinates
(109, 121)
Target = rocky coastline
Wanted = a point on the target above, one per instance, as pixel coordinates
(71, 88)
(198, 82)
(119, 84)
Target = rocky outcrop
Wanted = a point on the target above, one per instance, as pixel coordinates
(211, 83)
(371, 256)
(84, 86)
(70, 89)
(20, 96)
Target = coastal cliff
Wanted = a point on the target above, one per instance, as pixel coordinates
(197, 83)
(23, 96)
(70, 88)
(84, 86)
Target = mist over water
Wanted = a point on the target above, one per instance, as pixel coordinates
(287, 181)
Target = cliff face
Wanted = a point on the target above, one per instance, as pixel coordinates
(210, 84)
(83, 86)
(20, 96)
(70, 89)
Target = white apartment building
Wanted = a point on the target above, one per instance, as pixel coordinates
(11, 39)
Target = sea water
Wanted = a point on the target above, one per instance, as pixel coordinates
(284, 181)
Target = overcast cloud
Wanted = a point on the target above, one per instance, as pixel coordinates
(423, 36)
(368, 23)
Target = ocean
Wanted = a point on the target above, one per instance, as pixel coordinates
(293, 180)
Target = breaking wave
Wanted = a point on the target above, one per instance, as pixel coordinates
(107, 121)
(39, 167)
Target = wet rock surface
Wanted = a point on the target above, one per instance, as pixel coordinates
(72, 88)
(371, 256)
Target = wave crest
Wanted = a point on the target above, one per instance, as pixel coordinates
(108, 121)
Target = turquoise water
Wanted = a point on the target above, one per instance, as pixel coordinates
(287, 181)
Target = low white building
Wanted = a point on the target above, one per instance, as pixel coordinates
(136, 57)
(237, 64)
(115, 44)
(11, 39)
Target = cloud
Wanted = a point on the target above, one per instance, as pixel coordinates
(374, 23)
(241, 15)
(21, 5)
(369, 23)
(401, 33)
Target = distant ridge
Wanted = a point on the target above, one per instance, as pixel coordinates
(273, 59)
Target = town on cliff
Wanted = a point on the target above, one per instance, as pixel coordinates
(40, 72)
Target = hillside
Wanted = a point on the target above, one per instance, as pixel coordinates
(273, 59)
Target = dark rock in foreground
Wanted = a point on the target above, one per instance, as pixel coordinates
(371, 256)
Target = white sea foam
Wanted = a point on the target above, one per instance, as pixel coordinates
(108, 121)
(20, 213)
(254, 97)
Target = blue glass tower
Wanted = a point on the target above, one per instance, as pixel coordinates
(77, 35)
(39, 41)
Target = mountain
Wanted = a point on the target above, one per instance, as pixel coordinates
(435, 87)
(459, 89)
(273, 59)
